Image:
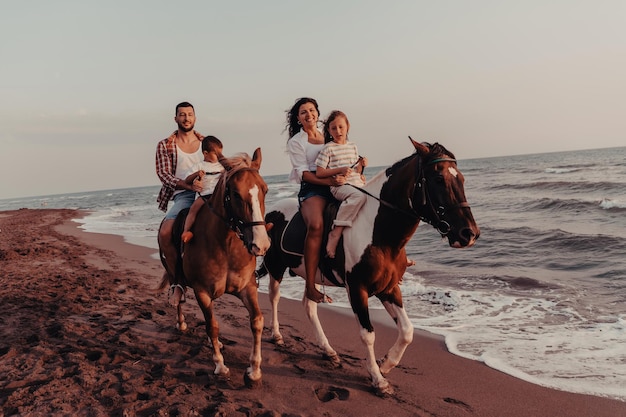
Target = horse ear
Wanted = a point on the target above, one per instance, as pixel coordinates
(419, 148)
(224, 161)
(256, 158)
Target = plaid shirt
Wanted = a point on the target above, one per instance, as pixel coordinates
(166, 168)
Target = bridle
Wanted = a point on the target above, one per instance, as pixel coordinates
(442, 226)
(420, 186)
(235, 223)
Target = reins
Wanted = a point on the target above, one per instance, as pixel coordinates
(442, 226)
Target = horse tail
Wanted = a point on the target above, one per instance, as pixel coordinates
(165, 282)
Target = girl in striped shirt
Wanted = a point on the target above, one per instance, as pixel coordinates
(341, 157)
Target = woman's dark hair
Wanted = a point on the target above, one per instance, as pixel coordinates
(292, 115)
(331, 117)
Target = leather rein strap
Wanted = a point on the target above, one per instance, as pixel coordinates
(442, 226)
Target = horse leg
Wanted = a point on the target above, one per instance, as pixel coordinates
(359, 302)
(405, 337)
(274, 296)
(212, 329)
(249, 296)
(310, 307)
(180, 319)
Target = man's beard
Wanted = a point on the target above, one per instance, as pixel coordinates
(185, 129)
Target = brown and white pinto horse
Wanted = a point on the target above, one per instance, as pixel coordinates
(229, 232)
(426, 185)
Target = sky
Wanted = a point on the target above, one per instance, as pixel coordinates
(88, 88)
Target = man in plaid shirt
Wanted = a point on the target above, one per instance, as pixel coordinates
(175, 155)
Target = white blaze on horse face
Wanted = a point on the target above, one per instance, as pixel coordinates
(453, 171)
(257, 216)
(259, 234)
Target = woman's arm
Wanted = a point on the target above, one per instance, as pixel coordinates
(297, 156)
(330, 172)
(312, 178)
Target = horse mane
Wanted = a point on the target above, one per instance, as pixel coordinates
(234, 164)
(436, 150)
(231, 166)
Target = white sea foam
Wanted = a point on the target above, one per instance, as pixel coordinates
(534, 339)
(608, 204)
(127, 221)
(560, 170)
(284, 194)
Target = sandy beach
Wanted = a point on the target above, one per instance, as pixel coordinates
(83, 333)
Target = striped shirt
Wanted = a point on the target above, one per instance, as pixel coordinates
(334, 155)
(166, 167)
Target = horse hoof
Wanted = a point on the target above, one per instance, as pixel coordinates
(182, 326)
(278, 340)
(222, 373)
(385, 365)
(384, 390)
(333, 358)
(251, 383)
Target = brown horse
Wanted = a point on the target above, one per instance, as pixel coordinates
(229, 232)
(425, 186)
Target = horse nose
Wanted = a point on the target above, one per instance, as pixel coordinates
(260, 246)
(468, 236)
(257, 251)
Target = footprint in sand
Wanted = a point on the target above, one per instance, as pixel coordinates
(458, 403)
(329, 393)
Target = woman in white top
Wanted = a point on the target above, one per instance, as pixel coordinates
(305, 142)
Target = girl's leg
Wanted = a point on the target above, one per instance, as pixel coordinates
(312, 210)
(351, 202)
(333, 240)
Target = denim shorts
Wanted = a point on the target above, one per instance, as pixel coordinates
(309, 190)
(182, 201)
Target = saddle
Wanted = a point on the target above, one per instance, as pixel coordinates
(292, 242)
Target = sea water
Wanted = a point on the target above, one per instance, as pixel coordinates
(542, 294)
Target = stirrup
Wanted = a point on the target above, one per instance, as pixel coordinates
(182, 290)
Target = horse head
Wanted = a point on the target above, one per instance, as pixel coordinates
(428, 186)
(439, 195)
(243, 190)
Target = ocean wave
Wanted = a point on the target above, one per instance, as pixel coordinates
(565, 186)
(575, 205)
(561, 170)
(608, 204)
(565, 245)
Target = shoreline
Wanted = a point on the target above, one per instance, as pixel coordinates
(91, 287)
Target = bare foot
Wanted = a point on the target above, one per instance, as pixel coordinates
(187, 236)
(333, 241)
(317, 297)
(409, 262)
